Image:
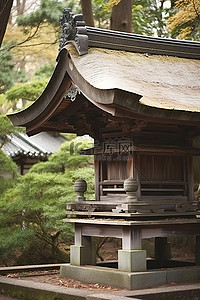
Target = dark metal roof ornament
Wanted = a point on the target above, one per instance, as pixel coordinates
(72, 92)
(73, 30)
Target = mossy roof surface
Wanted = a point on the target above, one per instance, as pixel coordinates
(165, 82)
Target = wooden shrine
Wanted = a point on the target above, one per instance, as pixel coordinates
(139, 98)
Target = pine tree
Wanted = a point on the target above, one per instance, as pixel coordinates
(31, 213)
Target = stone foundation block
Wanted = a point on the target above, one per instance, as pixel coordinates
(132, 260)
(81, 255)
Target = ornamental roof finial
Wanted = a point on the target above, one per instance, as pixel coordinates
(73, 30)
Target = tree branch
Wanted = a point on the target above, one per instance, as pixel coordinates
(21, 43)
(195, 9)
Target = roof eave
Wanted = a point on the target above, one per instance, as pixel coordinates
(42, 109)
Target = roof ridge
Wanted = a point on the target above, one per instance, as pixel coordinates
(75, 31)
(131, 42)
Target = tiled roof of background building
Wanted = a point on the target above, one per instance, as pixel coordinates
(40, 145)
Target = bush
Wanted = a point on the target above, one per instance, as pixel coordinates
(35, 208)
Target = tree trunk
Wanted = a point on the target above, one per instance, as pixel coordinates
(87, 12)
(173, 2)
(20, 7)
(121, 16)
(4, 16)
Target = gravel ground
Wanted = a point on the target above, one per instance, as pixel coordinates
(52, 277)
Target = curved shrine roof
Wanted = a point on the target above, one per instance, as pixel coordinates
(114, 72)
(165, 82)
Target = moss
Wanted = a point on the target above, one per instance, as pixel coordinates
(27, 293)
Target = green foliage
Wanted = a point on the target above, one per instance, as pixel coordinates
(68, 158)
(6, 70)
(8, 73)
(26, 91)
(69, 136)
(7, 165)
(38, 190)
(101, 13)
(30, 91)
(13, 239)
(8, 169)
(150, 17)
(35, 207)
(4, 105)
(48, 12)
(47, 167)
(75, 146)
(8, 179)
(185, 22)
(44, 71)
(6, 127)
(8, 172)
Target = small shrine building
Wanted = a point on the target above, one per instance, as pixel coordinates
(139, 98)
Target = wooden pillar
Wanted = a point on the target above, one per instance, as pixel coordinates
(131, 258)
(131, 238)
(190, 177)
(97, 179)
(162, 249)
(136, 175)
(83, 252)
(197, 251)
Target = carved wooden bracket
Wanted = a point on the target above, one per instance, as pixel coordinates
(73, 30)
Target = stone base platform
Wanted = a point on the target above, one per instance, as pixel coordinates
(131, 281)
